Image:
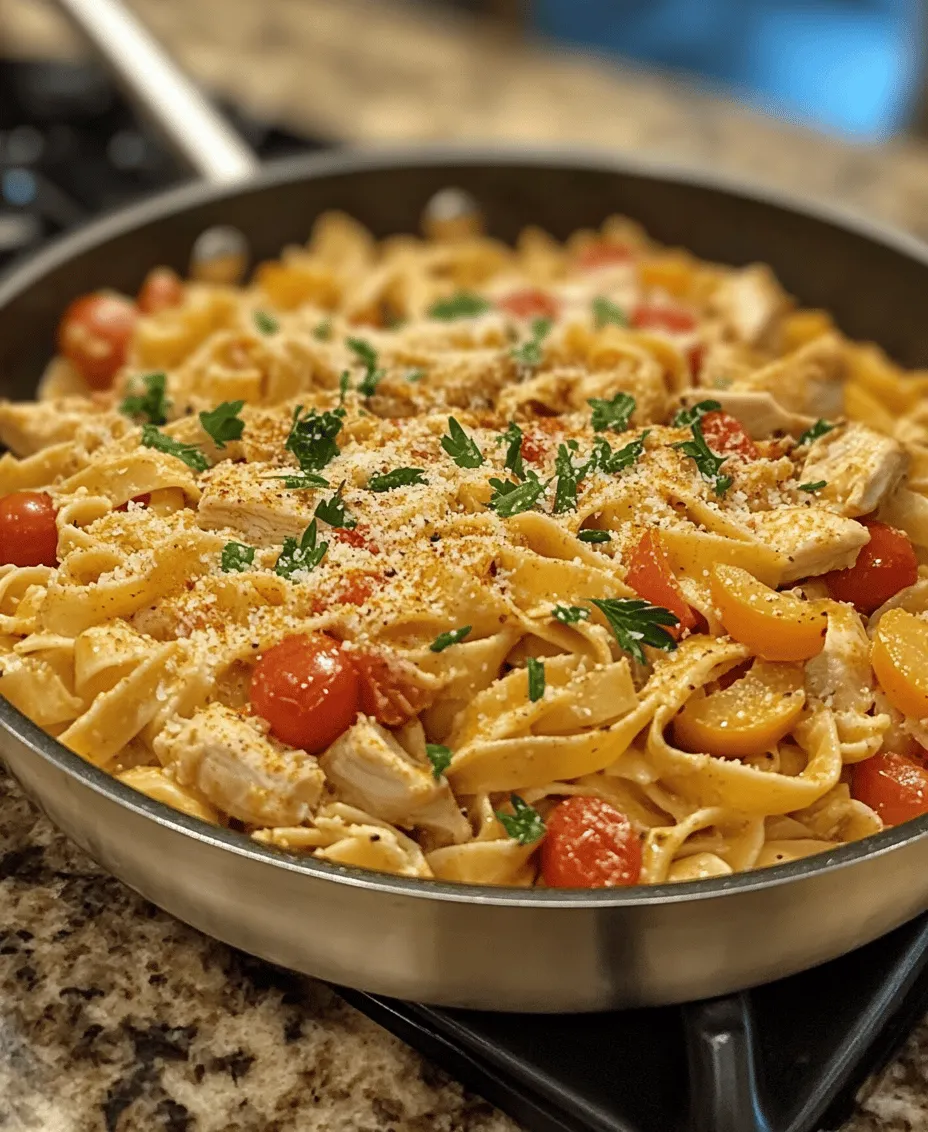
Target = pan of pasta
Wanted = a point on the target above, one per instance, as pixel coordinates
(501, 580)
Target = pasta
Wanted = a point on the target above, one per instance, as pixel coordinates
(577, 565)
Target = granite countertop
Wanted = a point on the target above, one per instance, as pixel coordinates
(114, 1016)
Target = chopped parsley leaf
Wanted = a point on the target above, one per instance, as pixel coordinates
(344, 384)
(440, 758)
(592, 535)
(193, 457)
(237, 557)
(322, 331)
(399, 477)
(705, 459)
(223, 423)
(452, 637)
(334, 512)
(604, 459)
(818, 429)
(524, 824)
(605, 312)
(367, 356)
(536, 678)
(266, 323)
(614, 414)
(570, 614)
(635, 622)
(512, 437)
(303, 555)
(529, 354)
(152, 404)
(568, 480)
(460, 447)
(302, 480)
(510, 499)
(462, 304)
(812, 487)
(685, 417)
(415, 375)
(312, 438)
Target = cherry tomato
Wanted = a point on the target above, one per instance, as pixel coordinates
(532, 450)
(355, 536)
(161, 289)
(358, 590)
(650, 575)
(530, 303)
(28, 533)
(603, 254)
(94, 335)
(884, 566)
(589, 844)
(895, 786)
(386, 693)
(726, 436)
(307, 689)
(650, 316)
(144, 499)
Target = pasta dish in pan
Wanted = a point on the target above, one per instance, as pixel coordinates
(578, 565)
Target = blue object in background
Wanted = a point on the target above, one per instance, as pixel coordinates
(851, 66)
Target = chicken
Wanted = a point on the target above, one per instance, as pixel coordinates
(758, 411)
(369, 769)
(239, 769)
(750, 302)
(809, 381)
(28, 426)
(860, 467)
(258, 508)
(812, 540)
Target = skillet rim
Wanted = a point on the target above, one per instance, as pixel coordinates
(29, 271)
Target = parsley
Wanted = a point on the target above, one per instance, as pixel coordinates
(705, 459)
(811, 487)
(266, 323)
(152, 403)
(460, 447)
(312, 438)
(605, 312)
(193, 457)
(536, 678)
(302, 555)
(635, 622)
(236, 557)
(367, 356)
(303, 480)
(524, 824)
(614, 414)
(415, 375)
(513, 439)
(440, 758)
(818, 429)
(605, 460)
(685, 417)
(344, 384)
(569, 614)
(333, 512)
(568, 480)
(529, 354)
(452, 637)
(594, 536)
(399, 477)
(223, 423)
(462, 304)
(510, 499)
(322, 331)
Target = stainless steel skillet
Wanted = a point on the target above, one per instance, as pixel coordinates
(485, 948)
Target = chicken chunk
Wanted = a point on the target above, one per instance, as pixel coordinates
(258, 508)
(813, 540)
(809, 381)
(750, 302)
(860, 467)
(369, 768)
(239, 769)
(758, 411)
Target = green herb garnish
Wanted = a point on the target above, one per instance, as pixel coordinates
(570, 614)
(529, 354)
(592, 535)
(452, 637)
(818, 429)
(312, 438)
(367, 355)
(605, 311)
(322, 331)
(568, 480)
(512, 437)
(334, 512)
(705, 459)
(460, 447)
(236, 557)
(303, 480)
(344, 384)
(440, 758)
(510, 499)
(636, 622)
(524, 824)
(462, 304)
(810, 487)
(303, 555)
(266, 323)
(152, 404)
(399, 477)
(193, 457)
(614, 414)
(415, 375)
(603, 458)
(536, 678)
(223, 423)
(685, 417)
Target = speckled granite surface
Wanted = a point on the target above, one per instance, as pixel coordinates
(115, 1017)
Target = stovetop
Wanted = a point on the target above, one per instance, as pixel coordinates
(784, 1058)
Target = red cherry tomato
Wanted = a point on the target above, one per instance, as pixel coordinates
(886, 565)
(726, 436)
(358, 590)
(650, 316)
(589, 844)
(94, 335)
(650, 575)
(355, 536)
(307, 689)
(532, 449)
(386, 693)
(28, 533)
(161, 289)
(530, 303)
(144, 499)
(895, 786)
(603, 254)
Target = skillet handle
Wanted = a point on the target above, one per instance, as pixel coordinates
(724, 1089)
(195, 131)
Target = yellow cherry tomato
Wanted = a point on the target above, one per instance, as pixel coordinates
(900, 661)
(775, 626)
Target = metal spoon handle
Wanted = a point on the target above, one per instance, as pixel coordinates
(194, 130)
